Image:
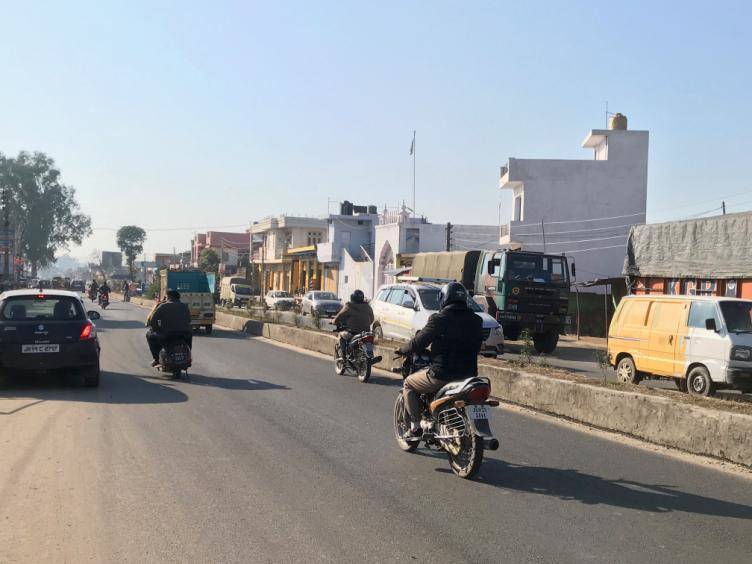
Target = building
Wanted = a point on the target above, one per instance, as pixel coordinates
(398, 238)
(708, 256)
(581, 208)
(346, 255)
(163, 260)
(232, 248)
(111, 260)
(284, 253)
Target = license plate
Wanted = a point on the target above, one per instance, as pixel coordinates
(39, 349)
(178, 357)
(478, 411)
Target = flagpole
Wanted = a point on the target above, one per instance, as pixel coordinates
(414, 149)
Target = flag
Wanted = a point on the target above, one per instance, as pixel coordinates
(412, 145)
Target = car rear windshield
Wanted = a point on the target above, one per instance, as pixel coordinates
(281, 295)
(324, 296)
(48, 308)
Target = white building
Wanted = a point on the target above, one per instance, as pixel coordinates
(581, 208)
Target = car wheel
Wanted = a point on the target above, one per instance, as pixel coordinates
(91, 376)
(626, 372)
(699, 382)
(378, 333)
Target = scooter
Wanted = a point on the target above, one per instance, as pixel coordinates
(104, 300)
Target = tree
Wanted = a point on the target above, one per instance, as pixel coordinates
(44, 211)
(130, 240)
(208, 260)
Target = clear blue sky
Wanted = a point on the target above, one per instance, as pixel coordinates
(178, 114)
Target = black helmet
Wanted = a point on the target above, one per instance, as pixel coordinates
(173, 294)
(452, 293)
(358, 297)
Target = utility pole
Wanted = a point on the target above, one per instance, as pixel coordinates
(448, 236)
(5, 238)
(723, 206)
(543, 233)
(412, 152)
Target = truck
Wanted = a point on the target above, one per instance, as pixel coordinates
(521, 289)
(234, 291)
(194, 291)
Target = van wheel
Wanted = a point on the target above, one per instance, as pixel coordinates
(378, 333)
(545, 343)
(208, 329)
(681, 383)
(626, 373)
(699, 382)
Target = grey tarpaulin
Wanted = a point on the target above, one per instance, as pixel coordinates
(713, 247)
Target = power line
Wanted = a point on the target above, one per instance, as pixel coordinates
(578, 230)
(586, 220)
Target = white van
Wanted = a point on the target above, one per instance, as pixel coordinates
(703, 342)
(401, 310)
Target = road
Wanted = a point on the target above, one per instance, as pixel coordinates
(266, 455)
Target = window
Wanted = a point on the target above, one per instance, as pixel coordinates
(383, 295)
(737, 315)
(699, 312)
(396, 296)
(313, 238)
(49, 308)
(347, 278)
(429, 299)
(408, 297)
(731, 289)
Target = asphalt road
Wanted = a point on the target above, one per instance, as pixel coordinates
(266, 455)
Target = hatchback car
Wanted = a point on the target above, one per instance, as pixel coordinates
(401, 310)
(48, 330)
(324, 303)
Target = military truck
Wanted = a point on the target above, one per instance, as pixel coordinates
(521, 289)
(194, 291)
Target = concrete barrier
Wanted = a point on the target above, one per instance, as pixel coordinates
(660, 420)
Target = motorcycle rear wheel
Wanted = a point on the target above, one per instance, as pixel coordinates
(401, 425)
(467, 463)
(363, 367)
(339, 362)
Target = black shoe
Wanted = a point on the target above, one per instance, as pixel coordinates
(412, 434)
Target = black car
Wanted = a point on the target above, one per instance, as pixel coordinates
(48, 330)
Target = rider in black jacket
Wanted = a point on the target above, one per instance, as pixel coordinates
(455, 336)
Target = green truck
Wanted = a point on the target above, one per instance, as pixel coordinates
(194, 291)
(521, 289)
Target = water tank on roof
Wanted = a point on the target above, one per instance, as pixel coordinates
(346, 208)
(619, 122)
(372, 210)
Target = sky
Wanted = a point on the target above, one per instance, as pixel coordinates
(181, 116)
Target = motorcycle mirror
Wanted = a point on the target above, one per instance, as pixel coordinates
(93, 315)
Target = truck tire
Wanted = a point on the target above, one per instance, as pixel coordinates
(511, 334)
(545, 343)
(208, 329)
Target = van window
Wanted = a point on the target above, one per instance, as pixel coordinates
(699, 312)
(396, 296)
(635, 313)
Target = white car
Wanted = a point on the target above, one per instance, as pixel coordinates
(325, 303)
(279, 299)
(401, 310)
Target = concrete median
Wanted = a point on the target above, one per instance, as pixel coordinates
(660, 420)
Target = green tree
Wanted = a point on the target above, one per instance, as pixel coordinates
(130, 240)
(208, 260)
(43, 210)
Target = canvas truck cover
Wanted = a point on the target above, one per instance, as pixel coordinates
(457, 265)
(714, 247)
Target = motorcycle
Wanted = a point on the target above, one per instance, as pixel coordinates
(104, 300)
(175, 358)
(359, 357)
(455, 419)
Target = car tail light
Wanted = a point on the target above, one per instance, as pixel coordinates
(479, 394)
(88, 332)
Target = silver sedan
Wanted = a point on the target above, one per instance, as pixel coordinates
(326, 304)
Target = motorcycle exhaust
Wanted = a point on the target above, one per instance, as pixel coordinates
(491, 444)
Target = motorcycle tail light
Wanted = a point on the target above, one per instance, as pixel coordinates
(87, 332)
(479, 394)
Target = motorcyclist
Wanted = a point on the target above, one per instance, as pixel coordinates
(354, 318)
(126, 290)
(455, 335)
(93, 288)
(104, 288)
(169, 319)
